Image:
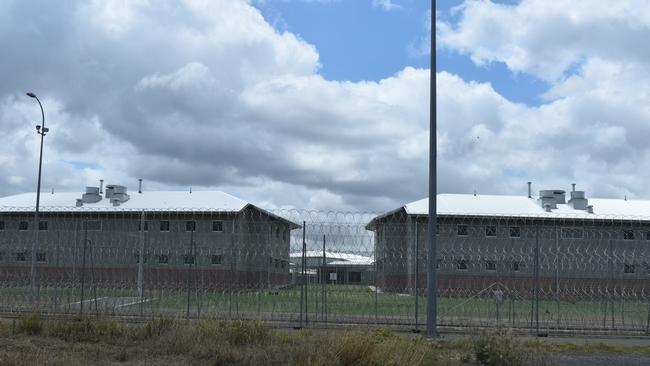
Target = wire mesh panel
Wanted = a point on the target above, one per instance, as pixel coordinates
(545, 274)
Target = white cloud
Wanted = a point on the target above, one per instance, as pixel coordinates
(386, 5)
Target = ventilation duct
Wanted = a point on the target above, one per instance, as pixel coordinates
(91, 196)
(578, 200)
(116, 194)
(547, 199)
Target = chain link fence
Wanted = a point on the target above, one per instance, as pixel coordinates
(309, 267)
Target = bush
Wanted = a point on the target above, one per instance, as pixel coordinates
(30, 325)
(86, 330)
(241, 332)
(155, 327)
(497, 349)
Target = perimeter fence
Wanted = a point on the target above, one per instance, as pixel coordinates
(585, 273)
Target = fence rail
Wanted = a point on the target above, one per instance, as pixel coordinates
(307, 267)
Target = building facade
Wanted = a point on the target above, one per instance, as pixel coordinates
(546, 245)
(162, 239)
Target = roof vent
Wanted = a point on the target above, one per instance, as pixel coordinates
(547, 207)
(578, 200)
(590, 209)
(117, 194)
(91, 196)
(80, 202)
(547, 198)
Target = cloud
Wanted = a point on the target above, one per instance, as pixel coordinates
(386, 5)
(209, 94)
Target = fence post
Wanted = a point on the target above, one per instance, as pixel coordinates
(189, 272)
(83, 273)
(323, 284)
(537, 280)
(611, 274)
(416, 282)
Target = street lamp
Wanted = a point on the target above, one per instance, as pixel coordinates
(41, 130)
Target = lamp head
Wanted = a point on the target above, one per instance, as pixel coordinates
(30, 94)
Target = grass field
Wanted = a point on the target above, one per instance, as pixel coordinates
(340, 303)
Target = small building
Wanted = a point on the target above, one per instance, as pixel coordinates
(162, 236)
(556, 246)
(333, 267)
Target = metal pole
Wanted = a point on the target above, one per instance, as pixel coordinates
(324, 281)
(32, 272)
(141, 257)
(537, 280)
(432, 302)
(189, 272)
(302, 272)
(417, 269)
(83, 272)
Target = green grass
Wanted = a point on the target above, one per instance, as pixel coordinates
(342, 302)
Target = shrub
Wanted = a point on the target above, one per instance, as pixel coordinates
(31, 325)
(86, 330)
(497, 349)
(241, 332)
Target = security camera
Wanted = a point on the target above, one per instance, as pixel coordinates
(38, 127)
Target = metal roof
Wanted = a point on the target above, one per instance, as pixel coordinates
(340, 258)
(523, 206)
(176, 201)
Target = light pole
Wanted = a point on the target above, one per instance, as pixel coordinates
(432, 259)
(41, 130)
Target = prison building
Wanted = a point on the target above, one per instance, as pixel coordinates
(166, 238)
(332, 267)
(548, 245)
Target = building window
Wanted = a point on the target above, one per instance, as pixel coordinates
(217, 259)
(515, 231)
(572, 233)
(284, 235)
(629, 268)
(461, 230)
(144, 259)
(437, 229)
(21, 256)
(2, 225)
(276, 263)
(190, 226)
(164, 225)
(217, 226)
(277, 233)
(23, 225)
(491, 231)
(93, 225)
(461, 265)
(146, 226)
(647, 235)
(284, 264)
(354, 277)
(41, 257)
(188, 259)
(491, 265)
(515, 266)
(163, 259)
(628, 235)
(42, 225)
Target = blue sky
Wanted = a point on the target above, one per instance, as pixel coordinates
(358, 41)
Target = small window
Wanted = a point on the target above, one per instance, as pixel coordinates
(21, 256)
(461, 230)
(647, 235)
(42, 225)
(93, 225)
(629, 268)
(491, 231)
(284, 264)
(437, 229)
(190, 226)
(164, 225)
(515, 266)
(461, 265)
(163, 259)
(146, 226)
(572, 233)
(277, 233)
(2, 225)
(41, 257)
(628, 235)
(515, 232)
(216, 259)
(188, 259)
(137, 258)
(284, 235)
(217, 226)
(23, 225)
(277, 263)
(491, 265)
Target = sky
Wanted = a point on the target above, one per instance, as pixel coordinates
(324, 104)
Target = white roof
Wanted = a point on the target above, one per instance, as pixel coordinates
(495, 205)
(339, 257)
(149, 200)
